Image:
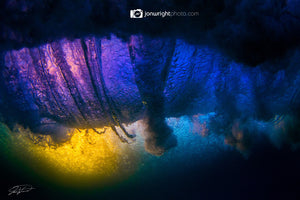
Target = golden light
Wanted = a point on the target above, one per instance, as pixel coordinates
(86, 158)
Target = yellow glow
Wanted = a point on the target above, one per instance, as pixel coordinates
(86, 158)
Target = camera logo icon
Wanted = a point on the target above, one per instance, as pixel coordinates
(136, 13)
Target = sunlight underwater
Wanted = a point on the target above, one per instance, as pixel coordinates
(88, 159)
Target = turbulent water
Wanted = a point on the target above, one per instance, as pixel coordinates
(93, 82)
(99, 105)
